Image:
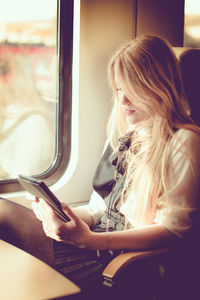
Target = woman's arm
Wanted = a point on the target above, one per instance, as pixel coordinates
(78, 233)
(149, 237)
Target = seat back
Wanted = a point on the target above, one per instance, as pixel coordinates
(189, 61)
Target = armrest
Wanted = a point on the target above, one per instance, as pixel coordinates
(122, 260)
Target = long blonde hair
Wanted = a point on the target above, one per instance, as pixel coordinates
(150, 77)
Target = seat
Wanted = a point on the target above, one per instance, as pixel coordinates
(189, 61)
(173, 273)
(126, 258)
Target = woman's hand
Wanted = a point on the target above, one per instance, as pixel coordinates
(75, 232)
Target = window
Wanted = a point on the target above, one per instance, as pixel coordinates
(35, 50)
(192, 24)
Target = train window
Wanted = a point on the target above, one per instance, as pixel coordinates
(192, 24)
(35, 89)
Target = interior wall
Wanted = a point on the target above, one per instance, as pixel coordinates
(164, 18)
(104, 24)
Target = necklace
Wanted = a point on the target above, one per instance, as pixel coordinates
(109, 211)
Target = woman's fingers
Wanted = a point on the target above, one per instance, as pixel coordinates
(43, 211)
(52, 224)
(49, 232)
(50, 216)
(71, 214)
(72, 232)
(36, 210)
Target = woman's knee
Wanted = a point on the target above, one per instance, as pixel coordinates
(11, 218)
(18, 226)
(6, 209)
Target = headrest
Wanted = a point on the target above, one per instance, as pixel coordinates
(189, 61)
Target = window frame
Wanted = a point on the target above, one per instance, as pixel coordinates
(65, 19)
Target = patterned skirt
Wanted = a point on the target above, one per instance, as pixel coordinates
(83, 267)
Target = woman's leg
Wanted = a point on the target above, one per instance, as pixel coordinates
(19, 226)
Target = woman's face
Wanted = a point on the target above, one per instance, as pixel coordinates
(132, 113)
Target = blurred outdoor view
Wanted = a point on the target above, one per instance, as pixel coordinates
(192, 24)
(28, 97)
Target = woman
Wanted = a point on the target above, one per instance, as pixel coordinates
(151, 191)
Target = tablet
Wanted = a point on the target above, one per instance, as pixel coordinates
(39, 189)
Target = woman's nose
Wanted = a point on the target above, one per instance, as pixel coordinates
(124, 100)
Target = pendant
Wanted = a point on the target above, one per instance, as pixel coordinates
(107, 225)
(111, 252)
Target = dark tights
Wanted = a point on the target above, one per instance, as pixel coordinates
(19, 227)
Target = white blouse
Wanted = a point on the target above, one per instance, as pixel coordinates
(183, 185)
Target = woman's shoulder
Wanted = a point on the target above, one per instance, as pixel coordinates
(188, 136)
(186, 139)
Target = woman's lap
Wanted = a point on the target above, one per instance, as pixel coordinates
(84, 267)
(19, 226)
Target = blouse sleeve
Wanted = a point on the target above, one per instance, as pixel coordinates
(177, 213)
(95, 207)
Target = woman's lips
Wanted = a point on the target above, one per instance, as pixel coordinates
(129, 111)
